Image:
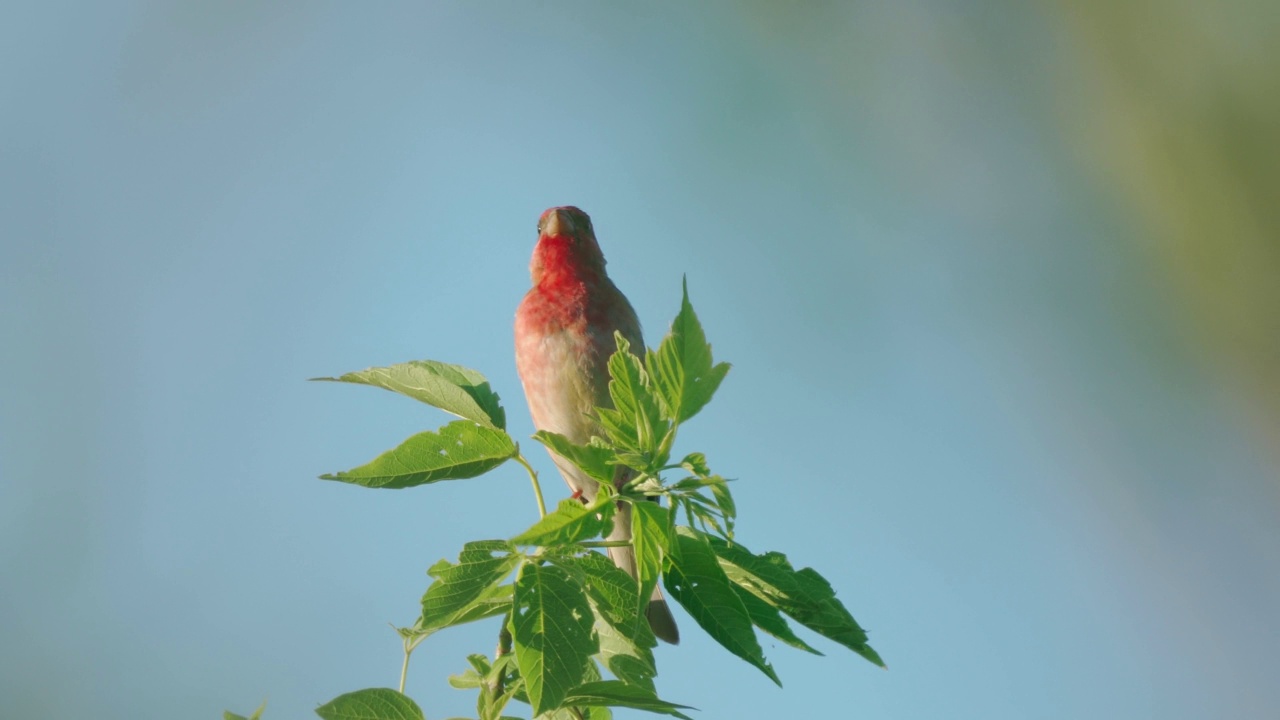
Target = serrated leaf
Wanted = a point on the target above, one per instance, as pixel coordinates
(696, 463)
(804, 595)
(257, 714)
(591, 459)
(480, 664)
(681, 369)
(578, 713)
(650, 528)
(493, 601)
(612, 588)
(572, 522)
(552, 628)
(625, 638)
(462, 449)
(466, 680)
(452, 388)
(728, 508)
(489, 706)
(614, 693)
(707, 518)
(634, 422)
(467, 590)
(371, 704)
(696, 581)
(767, 618)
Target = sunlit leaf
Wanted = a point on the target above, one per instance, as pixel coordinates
(571, 522)
(724, 498)
(682, 370)
(493, 601)
(650, 528)
(619, 694)
(462, 449)
(767, 618)
(552, 629)
(626, 640)
(591, 459)
(695, 580)
(634, 423)
(802, 594)
(468, 589)
(452, 388)
(257, 714)
(696, 463)
(371, 704)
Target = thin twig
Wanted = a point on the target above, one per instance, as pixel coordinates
(537, 489)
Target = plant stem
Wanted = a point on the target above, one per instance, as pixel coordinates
(503, 649)
(537, 489)
(404, 668)
(604, 543)
(409, 645)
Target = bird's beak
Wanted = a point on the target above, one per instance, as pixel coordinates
(556, 222)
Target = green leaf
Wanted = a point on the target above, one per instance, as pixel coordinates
(483, 676)
(475, 676)
(690, 484)
(696, 463)
(724, 498)
(452, 388)
(614, 693)
(695, 580)
(551, 626)
(578, 713)
(257, 714)
(682, 369)
(612, 588)
(626, 640)
(634, 423)
(650, 528)
(591, 459)
(767, 618)
(493, 601)
(461, 449)
(490, 707)
(466, 680)
(802, 594)
(572, 522)
(707, 518)
(465, 591)
(371, 704)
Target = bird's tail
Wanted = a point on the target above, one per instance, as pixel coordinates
(661, 619)
(658, 612)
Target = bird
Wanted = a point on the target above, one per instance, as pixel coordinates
(564, 335)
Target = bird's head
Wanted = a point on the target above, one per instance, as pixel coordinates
(566, 246)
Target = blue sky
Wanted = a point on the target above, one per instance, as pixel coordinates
(959, 390)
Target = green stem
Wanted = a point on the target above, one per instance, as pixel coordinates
(604, 543)
(537, 489)
(410, 644)
(404, 667)
(504, 648)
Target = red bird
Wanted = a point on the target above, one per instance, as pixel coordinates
(564, 337)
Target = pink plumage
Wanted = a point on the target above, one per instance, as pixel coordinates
(564, 337)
